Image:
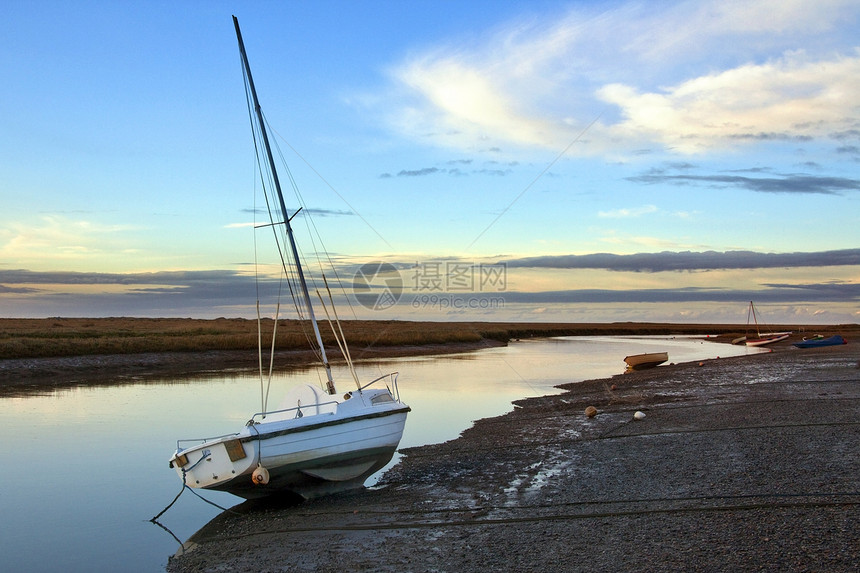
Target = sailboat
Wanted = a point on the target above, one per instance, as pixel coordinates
(320, 442)
(762, 339)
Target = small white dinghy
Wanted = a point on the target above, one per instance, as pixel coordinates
(319, 442)
(644, 361)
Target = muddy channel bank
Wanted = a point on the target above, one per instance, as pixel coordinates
(746, 463)
(24, 376)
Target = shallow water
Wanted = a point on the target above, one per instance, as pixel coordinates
(84, 469)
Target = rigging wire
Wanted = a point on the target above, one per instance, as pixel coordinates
(271, 358)
(260, 125)
(298, 301)
(313, 231)
(342, 336)
(288, 273)
(329, 185)
(265, 175)
(256, 250)
(341, 342)
(320, 252)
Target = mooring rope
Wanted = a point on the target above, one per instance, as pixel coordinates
(189, 488)
(169, 505)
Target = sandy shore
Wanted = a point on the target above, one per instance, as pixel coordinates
(740, 464)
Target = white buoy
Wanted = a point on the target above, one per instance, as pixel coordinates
(260, 476)
(639, 415)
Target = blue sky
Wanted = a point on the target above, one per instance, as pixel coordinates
(665, 161)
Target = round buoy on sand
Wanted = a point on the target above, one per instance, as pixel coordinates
(639, 415)
(701, 363)
(260, 476)
(613, 387)
(591, 411)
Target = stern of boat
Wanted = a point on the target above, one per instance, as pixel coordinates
(214, 463)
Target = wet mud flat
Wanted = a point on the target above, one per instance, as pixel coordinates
(739, 464)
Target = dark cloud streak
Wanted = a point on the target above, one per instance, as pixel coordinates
(453, 171)
(691, 261)
(418, 172)
(228, 293)
(776, 293)
(799, 183)
(309, 211)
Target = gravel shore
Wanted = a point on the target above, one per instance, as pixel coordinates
(747, 463)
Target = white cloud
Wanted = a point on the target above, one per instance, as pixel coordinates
(774, 16)
(791, 98)
(54, 239)
(737, 72)
(734, 28)
(467, 101)
(628, 213)
(632, 243)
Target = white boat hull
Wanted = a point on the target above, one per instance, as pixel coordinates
(769, 339)
(334, 448)
(648, 360)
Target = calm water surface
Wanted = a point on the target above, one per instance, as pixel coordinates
(84, 469)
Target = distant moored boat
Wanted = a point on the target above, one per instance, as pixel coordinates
(762, 339)
(821, 341)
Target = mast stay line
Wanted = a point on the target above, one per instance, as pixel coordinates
(259, 112)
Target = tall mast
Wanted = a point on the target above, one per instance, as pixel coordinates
(258, 110)
(752, 308)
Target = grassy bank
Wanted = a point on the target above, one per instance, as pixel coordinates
(56, 337)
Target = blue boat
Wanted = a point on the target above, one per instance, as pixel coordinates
(821, 341)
